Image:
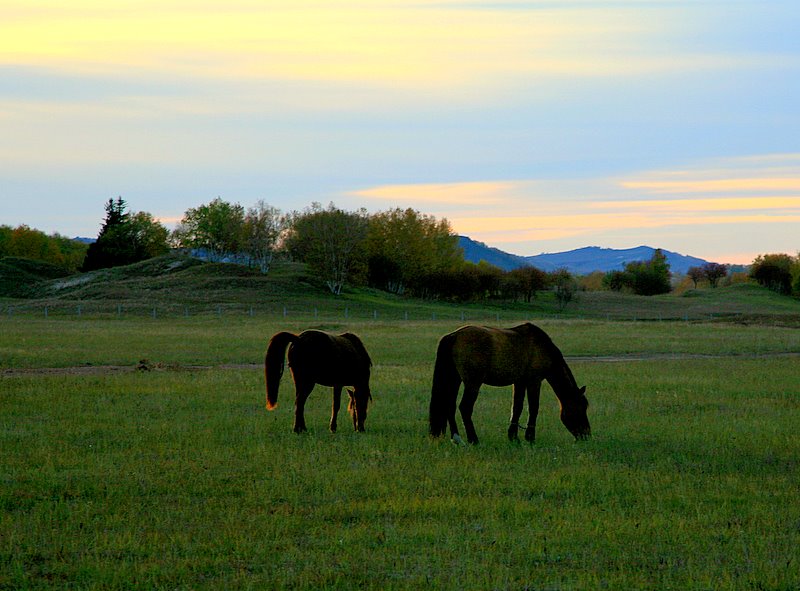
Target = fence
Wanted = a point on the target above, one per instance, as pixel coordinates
(322, 312)
(355, 312)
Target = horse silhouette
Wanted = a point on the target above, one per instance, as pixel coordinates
(317, 357)
(523, 356)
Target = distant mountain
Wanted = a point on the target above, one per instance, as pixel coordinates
(581, 261)
(475, 252)
(84, 239)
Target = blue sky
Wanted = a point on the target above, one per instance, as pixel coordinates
(532, 126)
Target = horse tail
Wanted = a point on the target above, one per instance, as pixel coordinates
(273, 365)
(444, 390)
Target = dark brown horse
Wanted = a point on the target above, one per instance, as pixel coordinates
(316, 357)
(522, 356)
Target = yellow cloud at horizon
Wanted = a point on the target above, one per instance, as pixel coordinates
(557, 209)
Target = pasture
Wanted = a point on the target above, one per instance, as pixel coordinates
(176, 477)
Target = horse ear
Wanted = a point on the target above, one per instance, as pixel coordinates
(582, 390)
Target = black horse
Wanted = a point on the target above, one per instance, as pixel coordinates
(316, 357)
(522, 356)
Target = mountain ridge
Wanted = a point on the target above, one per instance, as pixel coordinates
(580, 261)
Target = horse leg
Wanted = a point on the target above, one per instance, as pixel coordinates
(533, 410)
(452, 406)
(466, 407)
(516, 411)
(337, 401)
(301, 395)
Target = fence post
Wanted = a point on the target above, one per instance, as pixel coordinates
(45, 311)
(79, 310)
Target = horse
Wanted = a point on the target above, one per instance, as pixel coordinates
(317, 357)
(523, 356)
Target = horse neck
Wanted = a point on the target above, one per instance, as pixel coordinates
(563, 382)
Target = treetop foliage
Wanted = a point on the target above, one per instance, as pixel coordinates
(24, 242)
(125, 238)
(642, 277)
(778, 272)
(331, 242)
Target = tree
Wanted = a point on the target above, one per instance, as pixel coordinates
(642, 277)
(28, 243)
(565, 285)
(125, 238)
(262, 227)
(774, 271)
(406, 247)
(216, 227)
(524, 282)
(617, 280)
(148, 236)
(331, 242)
(714, 272)
(695, 274)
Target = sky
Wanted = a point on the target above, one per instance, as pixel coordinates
(532, 126)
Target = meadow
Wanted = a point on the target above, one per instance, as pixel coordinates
(176, 477)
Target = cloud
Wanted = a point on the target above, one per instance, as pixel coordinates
(710, 194)
(446, 194)
(428, 45)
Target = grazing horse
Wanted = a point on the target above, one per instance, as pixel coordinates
(316, 357)
(522, 356)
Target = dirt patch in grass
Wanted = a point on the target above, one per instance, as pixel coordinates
(146, 366)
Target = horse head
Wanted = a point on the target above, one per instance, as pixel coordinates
(573, 415)
(359, 401)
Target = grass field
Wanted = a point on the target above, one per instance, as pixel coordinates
(178, 478)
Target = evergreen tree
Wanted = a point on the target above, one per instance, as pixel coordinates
(125, 238)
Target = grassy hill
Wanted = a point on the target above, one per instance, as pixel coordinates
(178, 284)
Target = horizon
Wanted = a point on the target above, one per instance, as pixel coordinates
(531, 126)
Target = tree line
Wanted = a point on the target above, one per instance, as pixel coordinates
(400, 251)
(27, 243)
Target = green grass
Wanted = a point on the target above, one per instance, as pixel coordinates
(79, 341)
(178, 478)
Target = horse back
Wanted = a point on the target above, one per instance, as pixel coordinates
(500, 356)
(330, 360)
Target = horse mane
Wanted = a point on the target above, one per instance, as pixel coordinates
(356, 342)
(560, 367)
